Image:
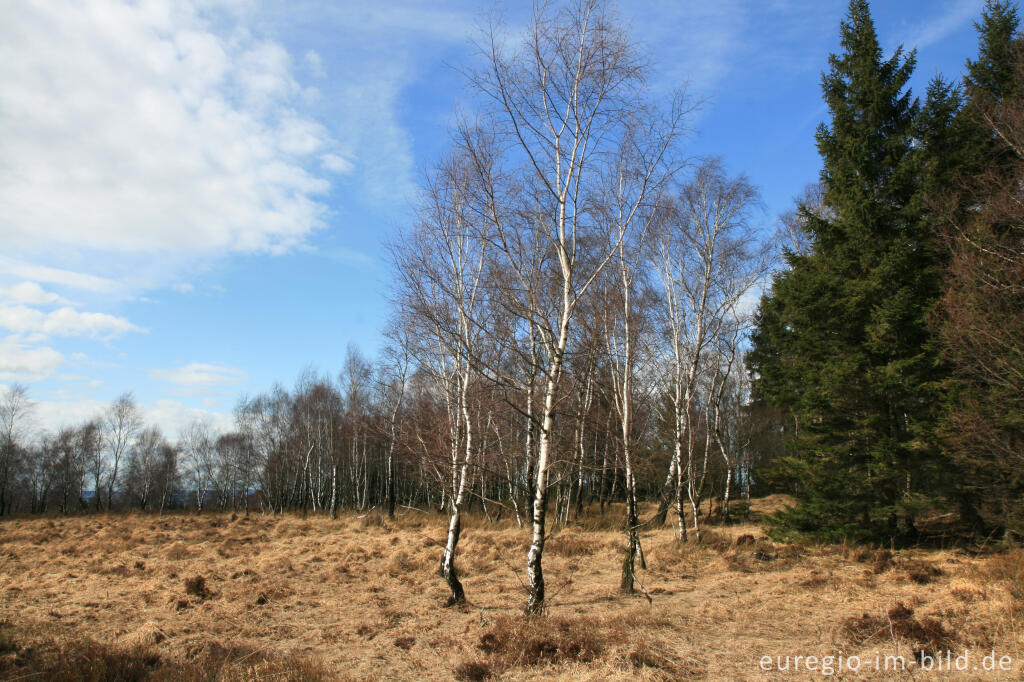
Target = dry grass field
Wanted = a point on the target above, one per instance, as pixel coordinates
(229, 597)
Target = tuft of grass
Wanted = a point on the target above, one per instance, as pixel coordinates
(571, 545)
(883, 561)
(472, 671)
(196, 586)
(405, 643)
(178, 551)
(1007, 569)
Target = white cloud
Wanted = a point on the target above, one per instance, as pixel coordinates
(171, 416)
(137, 128)
(184, 288)
(64, 321)
(19, 362)
(32, 294)
(67, 278)
(50, 415)
(199, 374)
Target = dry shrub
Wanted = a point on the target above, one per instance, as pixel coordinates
(405, 643)
(196, 586)
(524, 641)
(745, 539)
(925, 635)
(472, 671)
(922, 572)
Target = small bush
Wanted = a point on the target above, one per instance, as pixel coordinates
(519, 641)
(196, 586)
(472, 671)
(745, 539)
(922, 572)
(925, 635)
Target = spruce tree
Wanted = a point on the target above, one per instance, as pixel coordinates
(842, 340)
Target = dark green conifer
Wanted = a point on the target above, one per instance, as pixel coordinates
(842, 340)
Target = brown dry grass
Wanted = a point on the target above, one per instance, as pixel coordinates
(224, 597)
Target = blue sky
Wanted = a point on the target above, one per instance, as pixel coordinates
(194, 195)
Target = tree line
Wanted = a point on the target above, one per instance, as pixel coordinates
(576, 324)
(892, 339)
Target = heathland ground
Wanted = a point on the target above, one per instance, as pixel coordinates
(235, 597)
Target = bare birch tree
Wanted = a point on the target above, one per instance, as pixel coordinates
(15, 411)
(442, 264)
(198, 445)
(559, 103)
(702, 253)
(122, 423)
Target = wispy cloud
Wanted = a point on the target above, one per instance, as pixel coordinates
(67, 278)
(951, 18)
(199, 374)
